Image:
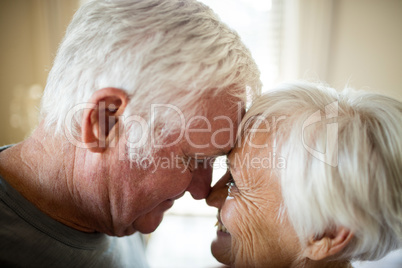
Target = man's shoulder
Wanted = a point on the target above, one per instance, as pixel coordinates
(26, 242)
(28, 238)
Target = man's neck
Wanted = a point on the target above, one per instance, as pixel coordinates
(41, 169)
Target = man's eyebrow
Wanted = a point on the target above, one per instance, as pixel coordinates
(222, 153)
(228, 162)
(212, 154)
(230, 166)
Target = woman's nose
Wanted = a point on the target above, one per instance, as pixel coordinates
(219, 192)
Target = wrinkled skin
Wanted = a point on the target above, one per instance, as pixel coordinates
(158, 187)
(250, 212)
(103, 191)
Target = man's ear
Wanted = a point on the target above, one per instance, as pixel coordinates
(101, 122)
(329, 244)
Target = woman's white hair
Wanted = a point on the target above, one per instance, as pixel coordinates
(158, 51)
(343, 154)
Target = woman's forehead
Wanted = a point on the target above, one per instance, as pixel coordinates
(255, 156)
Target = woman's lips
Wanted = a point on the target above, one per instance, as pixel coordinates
(221, 245)
(220, 226)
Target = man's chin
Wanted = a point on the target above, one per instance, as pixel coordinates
(149, 222)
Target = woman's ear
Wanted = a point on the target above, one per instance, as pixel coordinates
(100, 124)
(329, 244)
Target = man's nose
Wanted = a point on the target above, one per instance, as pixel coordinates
(200, 185)
(219, 192)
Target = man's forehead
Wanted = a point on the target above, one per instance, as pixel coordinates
(217, 110)
(213, 136)
(212, 131)
(213, 152)
(223, 104)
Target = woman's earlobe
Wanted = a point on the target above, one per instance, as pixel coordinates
(329, 244)
(100, 124)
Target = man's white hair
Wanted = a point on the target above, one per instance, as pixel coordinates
(362, 190)
(159, 52)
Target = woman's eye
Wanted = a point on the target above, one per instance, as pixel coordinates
(231, 184)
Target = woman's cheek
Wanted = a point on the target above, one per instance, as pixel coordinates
(230, 213)
(235, 216)
(235, 213)
(242, 247)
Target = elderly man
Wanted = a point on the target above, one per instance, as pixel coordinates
(141, 98)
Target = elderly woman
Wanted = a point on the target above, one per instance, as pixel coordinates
(315, 181)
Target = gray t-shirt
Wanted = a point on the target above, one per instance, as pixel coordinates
(30, 238)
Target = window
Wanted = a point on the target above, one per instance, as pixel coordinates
(259, 24)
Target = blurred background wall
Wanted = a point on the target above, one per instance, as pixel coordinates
(30, 33)
(366, 47)
(355, 42)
